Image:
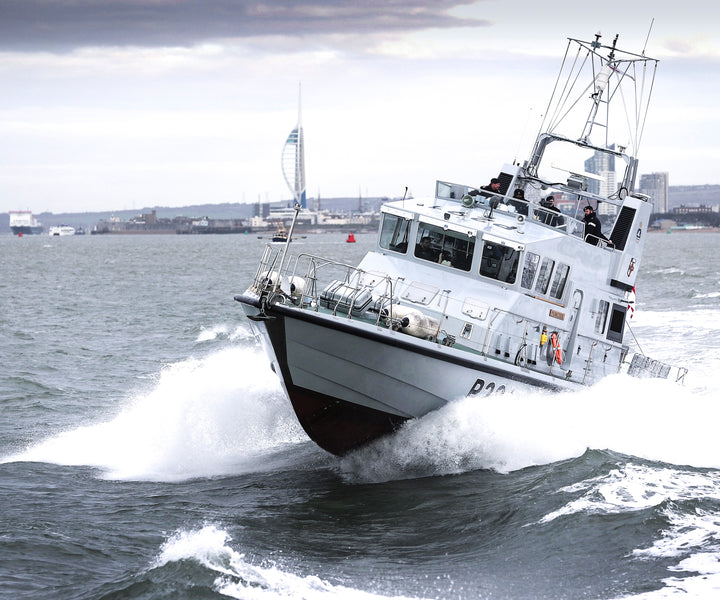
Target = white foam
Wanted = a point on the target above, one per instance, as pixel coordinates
(635, 487)
(705, 586)
(222, 331)
(697, 531)
(238, 578)
(648, 418)
(204, 417)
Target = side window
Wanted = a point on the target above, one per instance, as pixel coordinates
(532, 261)
(544, 277)
(499, 262)
(617, 323)
(445, 247)
(601, 317)
(559, 280)
(394, 233)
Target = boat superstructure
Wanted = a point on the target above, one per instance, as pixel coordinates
(22, 222)
(473, 292)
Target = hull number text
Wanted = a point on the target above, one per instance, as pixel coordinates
(480, 386)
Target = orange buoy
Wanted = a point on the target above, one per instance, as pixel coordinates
(556, 347)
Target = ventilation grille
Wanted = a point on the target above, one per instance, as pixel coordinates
(622, 227)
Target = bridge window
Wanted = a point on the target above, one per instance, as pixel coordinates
(444, 246)
(499, 262)
(394, 233)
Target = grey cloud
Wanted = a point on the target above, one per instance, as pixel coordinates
(67, 24)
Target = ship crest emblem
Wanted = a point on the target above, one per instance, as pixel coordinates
(631, 267)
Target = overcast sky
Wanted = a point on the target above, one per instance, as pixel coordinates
(122, 104)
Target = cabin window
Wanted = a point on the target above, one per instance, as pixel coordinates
(499, 262)
(445, 247)
(601, 316)
(559, 280)
(544, 277)
(394, 233)
(532, 261)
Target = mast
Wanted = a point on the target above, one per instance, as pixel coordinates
(293, 159)
(599, 84)
(618, 85)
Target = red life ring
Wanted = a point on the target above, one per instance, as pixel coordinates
(556, 347)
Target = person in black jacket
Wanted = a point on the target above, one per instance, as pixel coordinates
(492, 192)
(593, 228)
(518, 202)
(550, 215)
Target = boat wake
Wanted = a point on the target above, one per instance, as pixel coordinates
(226, 414)
(648, 418)
(204, 417)
(237, 577)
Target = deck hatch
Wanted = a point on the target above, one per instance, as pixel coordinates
(420, 293)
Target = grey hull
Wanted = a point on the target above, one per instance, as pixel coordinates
(350, 383)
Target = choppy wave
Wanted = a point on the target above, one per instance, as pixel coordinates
(204, 417)
(238, 577)
(687, 500)
(632, 487)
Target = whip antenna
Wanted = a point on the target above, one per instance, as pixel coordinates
(652, 21)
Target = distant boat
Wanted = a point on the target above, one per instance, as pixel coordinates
(280, 234)
(58, 230)
(350, 238)
(22, 222)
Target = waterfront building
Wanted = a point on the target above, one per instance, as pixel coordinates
(656, 186)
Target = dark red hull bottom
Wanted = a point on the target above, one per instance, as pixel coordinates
(338, 426)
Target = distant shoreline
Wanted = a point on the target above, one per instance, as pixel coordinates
(688, 230)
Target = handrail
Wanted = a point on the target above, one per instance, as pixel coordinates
(318, 274)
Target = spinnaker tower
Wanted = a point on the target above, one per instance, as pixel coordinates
(293, 161)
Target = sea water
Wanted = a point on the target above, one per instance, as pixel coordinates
(147, 449)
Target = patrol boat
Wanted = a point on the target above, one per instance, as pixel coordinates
(476, 292)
